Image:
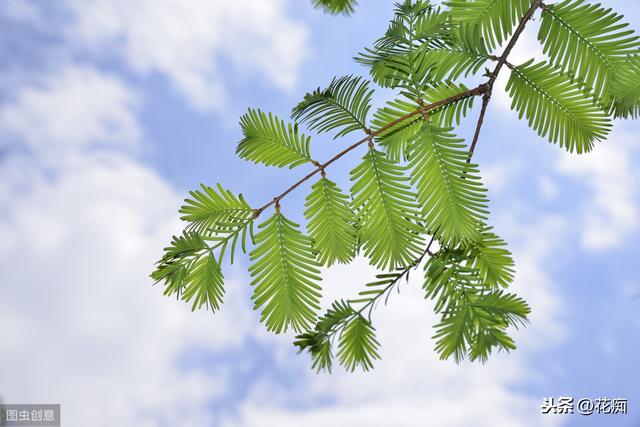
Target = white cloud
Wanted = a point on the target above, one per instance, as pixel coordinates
(611, 212)
(547, 188)
(87, 328)
(69, 110)
(189, 41)
(498, 175)
(84, 326)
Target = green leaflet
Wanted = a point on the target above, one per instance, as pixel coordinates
(270, 141)
(285, 276)
(398, 58)
(448, 276)
(452, 197)
(477, 325)
(448, 114)
(386, 211)
(173, 267)
(319, 340)
(343, 105)
(625, 89)
(397, 139)
(358, 345)
(489, 21)
(330, 223)
(556, 107)
(586, 40)
(204, 283)
(492, 260)
(209, 211)
(345, 7)
(474, 316)
(191, 272)
(219, 217)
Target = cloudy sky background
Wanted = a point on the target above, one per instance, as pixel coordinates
(111, 110)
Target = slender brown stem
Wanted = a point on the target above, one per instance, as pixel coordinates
(369, 138)
(502, 60)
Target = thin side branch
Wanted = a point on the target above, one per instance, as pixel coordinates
(502, 61)
(479, 90)
(488, 88)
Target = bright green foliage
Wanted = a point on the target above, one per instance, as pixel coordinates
(586, 39)
(556, 107)
(492, 260)
(219, 217)
(474, 316)
(345, 7)
(270, 141)
(400, 59)
(419, 185)
(386, 211)
(210, 211)
(318, 341)
(191, 272)
(447, 274)
(358, 345)
(449, 190)
(397, 139)
(626, 88)
(477, 325)
(204, 284)
(343, 105)
(449, 114)
(330, 223)
(285, 275)
(492, 20)
(174, 265)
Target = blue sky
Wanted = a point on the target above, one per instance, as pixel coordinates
(111, 110)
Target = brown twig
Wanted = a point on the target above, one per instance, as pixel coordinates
(502, 60)
(423, 109)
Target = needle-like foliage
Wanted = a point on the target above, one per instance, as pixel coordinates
(387, 212)
(205, 284)
(318, 342)
(209, 211)
(474, 316)
(556, 107)
(449, 114)
(473, 327)
(416, 198)
(346, 7)
(358, 345)
(449, 190)
(330, 223)
(343, 105)
(587, 40)
(285, 276)
(626, 88)
(488, 21)
(270, 141)
(493, 261)
(397, 139)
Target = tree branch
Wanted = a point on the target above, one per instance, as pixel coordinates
(502, 60)
(479, 90)
(488, 88)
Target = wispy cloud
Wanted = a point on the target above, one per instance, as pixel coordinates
(190, 42)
